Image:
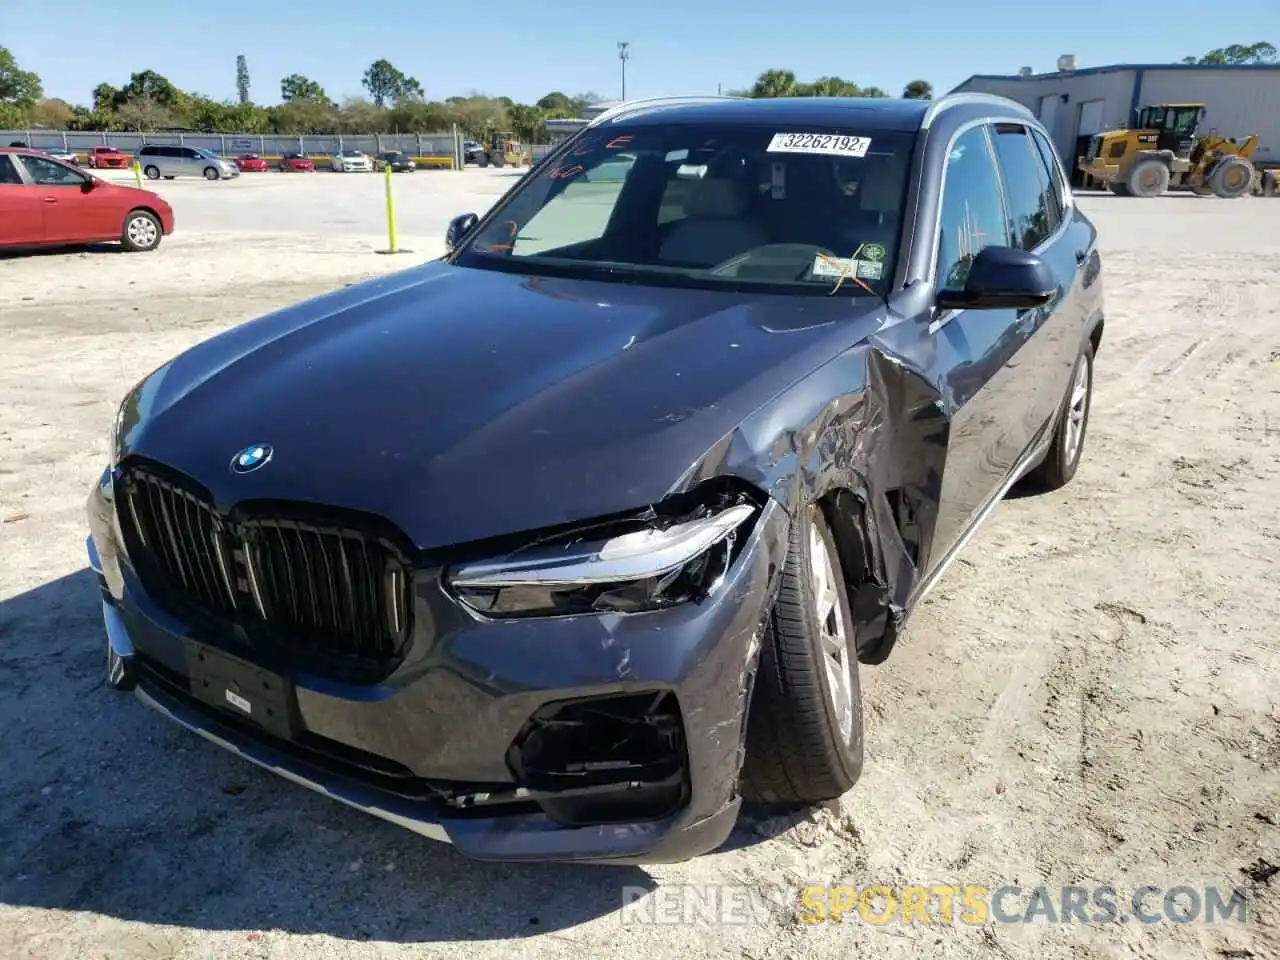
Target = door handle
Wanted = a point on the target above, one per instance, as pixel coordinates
(50, 199)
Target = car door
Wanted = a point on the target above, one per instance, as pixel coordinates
(70, 214)
(1074, 253)
(978, 356)
(193, 163)
(1049, 335)
(21, 216)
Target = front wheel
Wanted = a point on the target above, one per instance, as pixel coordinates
(1232, 177)
(211, 173)
(804, 730)
(152, 173)
(141, 232)
(1063, 459)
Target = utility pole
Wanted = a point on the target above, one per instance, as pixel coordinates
(624, 56)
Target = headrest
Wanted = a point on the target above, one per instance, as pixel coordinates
(714, 198)
(882, 186)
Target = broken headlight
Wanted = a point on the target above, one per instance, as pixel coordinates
(646, 564)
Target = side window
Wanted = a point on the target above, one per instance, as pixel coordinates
(1049, 159)
(8, 172)
(1026, 192)
(188, 153)
(49, 173)
(972, 208)
(147, 152)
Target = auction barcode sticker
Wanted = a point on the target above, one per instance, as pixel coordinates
(831, 144)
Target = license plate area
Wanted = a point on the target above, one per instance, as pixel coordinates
(242, 689)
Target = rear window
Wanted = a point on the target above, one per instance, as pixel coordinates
(808, 211)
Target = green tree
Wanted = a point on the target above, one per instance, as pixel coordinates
(918, 90)
(1238, 53)
(296, 88)
(388, 86)
(774, 83)
(19, 91)
(105, 98)
(149, 85)
(557, 104)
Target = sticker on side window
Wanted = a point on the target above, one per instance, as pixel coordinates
(830, 144)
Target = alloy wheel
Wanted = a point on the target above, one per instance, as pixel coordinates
(834, 641)
(1077, 408)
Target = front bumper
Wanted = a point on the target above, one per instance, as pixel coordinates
(453, 713)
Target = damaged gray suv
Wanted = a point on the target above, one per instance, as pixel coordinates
(565, 544)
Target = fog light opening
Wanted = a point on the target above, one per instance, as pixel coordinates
(613, 759)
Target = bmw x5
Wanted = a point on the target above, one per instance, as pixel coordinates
(563, 545)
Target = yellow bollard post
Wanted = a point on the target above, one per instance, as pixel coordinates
(137, 173)
(391, 217)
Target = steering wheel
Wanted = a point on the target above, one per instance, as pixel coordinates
(775, 255)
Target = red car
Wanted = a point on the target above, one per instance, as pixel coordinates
(108, 157)
(45, 202)
(251, 163)
(295, 163)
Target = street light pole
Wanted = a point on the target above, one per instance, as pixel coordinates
(624, 56)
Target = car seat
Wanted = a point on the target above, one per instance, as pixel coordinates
(714, 228)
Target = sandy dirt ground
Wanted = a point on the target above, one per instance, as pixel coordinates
(1091, 697)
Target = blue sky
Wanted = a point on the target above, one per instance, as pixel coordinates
(526, 49)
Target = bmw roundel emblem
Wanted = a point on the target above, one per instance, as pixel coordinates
(251, 458)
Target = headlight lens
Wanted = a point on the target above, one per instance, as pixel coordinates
(113, 444)
(644, 565)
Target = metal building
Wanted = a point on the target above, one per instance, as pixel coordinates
(1074, 104)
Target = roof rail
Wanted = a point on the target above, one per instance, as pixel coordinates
(958, 99)
(634, 106)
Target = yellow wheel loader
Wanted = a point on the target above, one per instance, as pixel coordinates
(1165, 151)
(504, 150)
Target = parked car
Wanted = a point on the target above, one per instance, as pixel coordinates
(746, 417)
(251, 163)
(49, 202)
(107, 158)
(296, 163)
(397, 160)
(471, 150)
(351, 161)
(170, 161)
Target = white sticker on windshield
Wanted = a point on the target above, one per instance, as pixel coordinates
(825, 143)
(835, 267)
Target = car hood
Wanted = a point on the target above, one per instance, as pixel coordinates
(463, 404)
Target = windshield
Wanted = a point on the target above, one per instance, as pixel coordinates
(719, 206)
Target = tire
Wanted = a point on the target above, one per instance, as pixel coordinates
(1268, 183)
(141, 231)
(1119, 189)
(500, 160)
(211, 173)
(1148, 178)
(1231, 178)
(151, 173)
(1067, 447)
(482, 159)
(798, 750)
(1202, 191)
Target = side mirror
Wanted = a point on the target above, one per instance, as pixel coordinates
(459, 227)
(88, 184)
(1002, 278)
